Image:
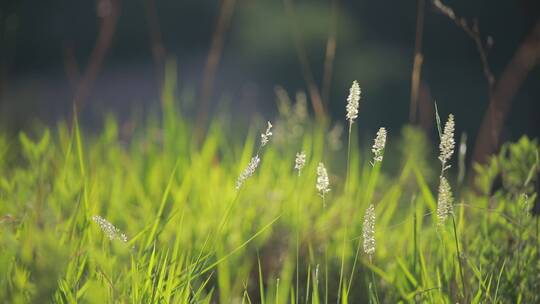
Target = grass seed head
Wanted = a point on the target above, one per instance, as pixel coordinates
(369, 231)
(300, 161)
(353, 102)
(265, 137)
(447, 141)
(248, 171)
(109, 229)
(323, 184)
(378, 146)
(444, 200)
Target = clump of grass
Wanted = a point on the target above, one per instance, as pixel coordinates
(445, 198)
(197, 238)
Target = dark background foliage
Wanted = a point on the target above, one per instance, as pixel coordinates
(375, 43)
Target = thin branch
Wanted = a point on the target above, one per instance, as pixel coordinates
(330, 54)
(212, 62)
(71, 67)
(474, 33)
(313, 90)
(418, 60)
(525, 58)
(156, 42)
(502, 92)
(108, 11)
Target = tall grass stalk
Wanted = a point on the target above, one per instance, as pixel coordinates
(308, 279)
(342, 266)
(299, 163)
(352, 113)
(373, 283)
(325, 262)
(277, 291)
(368, 233)
(444, 202)
(297, 292)
(378, 147)
(460, 264)
(353, 102)
(348, 157)
(323, 186)
(415, 237)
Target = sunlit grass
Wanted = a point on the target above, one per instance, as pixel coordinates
(192, 235)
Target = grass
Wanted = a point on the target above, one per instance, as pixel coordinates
(193, 238)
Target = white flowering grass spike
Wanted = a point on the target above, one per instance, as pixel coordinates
(369, 231)
(444, 201)
(378, 146)
(248, 171)
(323, 184)
(353, 102)
(265, 137)
(109, 229)
(300, 161)
(447, 141)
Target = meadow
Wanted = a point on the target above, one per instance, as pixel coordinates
(282, 213)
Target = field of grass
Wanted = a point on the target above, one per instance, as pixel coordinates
(186, 231)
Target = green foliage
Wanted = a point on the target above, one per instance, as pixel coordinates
(193, 238)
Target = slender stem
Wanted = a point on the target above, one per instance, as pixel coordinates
(297, 268)
(277, 291)
(346, 188)
(373, 282)
(459, 256)
(354, 265)
(348, 156)
(325, 261)
(326, 274)
(414, 236)
(297, 242)
(307, 284)
(342, 266)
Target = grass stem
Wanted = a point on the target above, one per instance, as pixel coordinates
(464, 293)
(373, 282)
(348, 157)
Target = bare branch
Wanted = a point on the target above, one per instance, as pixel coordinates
(107, 11)
(313, 90)
(212, 62)
(473, 32)
(502, 92)
(156, 42)
(418, 60)
(525, 58)
(330, 54)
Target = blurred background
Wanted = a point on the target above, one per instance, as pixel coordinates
(110, 56)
